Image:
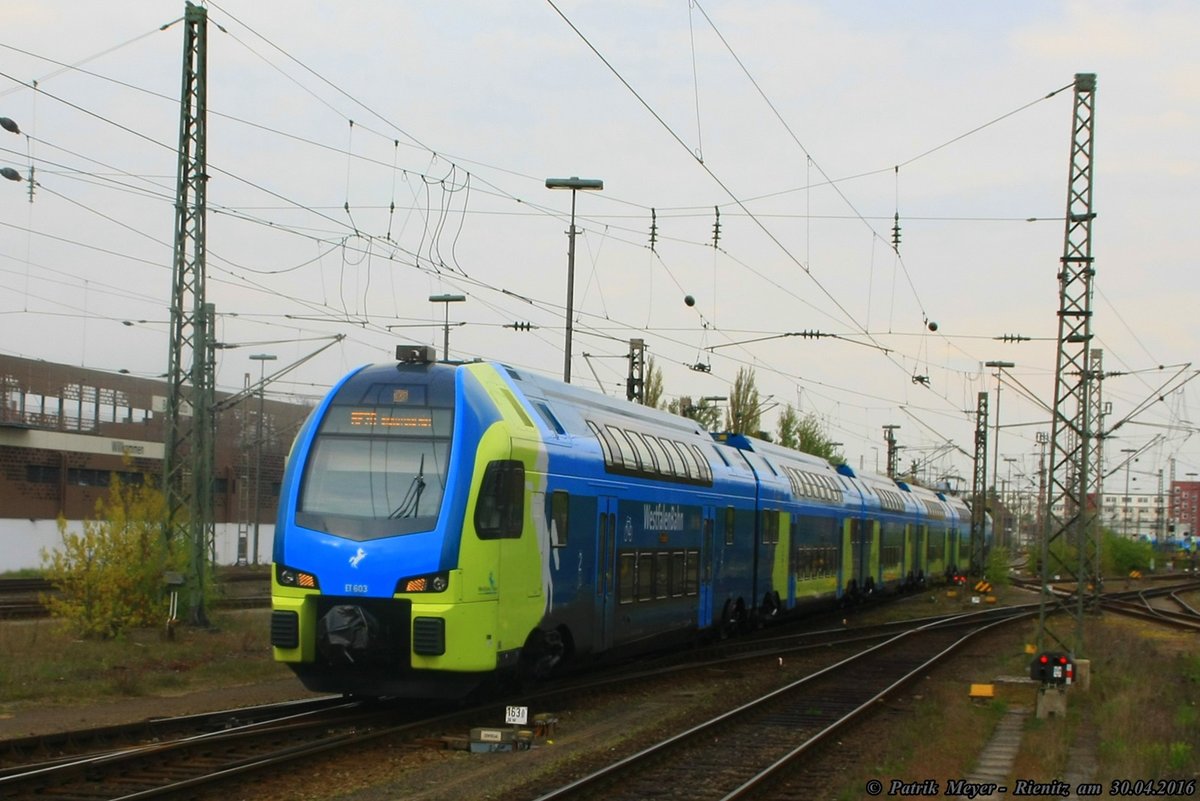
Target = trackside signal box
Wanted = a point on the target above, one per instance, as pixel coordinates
(1052, 668)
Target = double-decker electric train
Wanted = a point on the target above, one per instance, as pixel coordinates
(443, 524)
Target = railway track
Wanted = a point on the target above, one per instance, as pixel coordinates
(237, 746)
(744, 753)
(21, 599)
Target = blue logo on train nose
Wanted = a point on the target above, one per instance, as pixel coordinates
(358, 557)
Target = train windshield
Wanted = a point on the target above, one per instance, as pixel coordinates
(377, 469)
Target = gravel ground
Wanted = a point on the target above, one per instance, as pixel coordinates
(28, 720)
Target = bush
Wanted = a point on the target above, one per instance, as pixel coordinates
(109, 576)
(1122, 555)
(997, 568)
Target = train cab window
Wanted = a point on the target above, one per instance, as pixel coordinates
(500, 508)
(377, 466)
(730, 516)
(560, 503)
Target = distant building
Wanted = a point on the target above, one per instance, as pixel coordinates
(1185, 508)
(65, 430)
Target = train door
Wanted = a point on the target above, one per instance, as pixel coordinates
(704, 613)
(606, 547)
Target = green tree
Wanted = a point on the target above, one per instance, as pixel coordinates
(745, 407)
(805, 434)
(652, 391)
(996, 568)
(787, 428)
(109, 576)
(1119, 555)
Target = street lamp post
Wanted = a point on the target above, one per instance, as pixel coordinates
(10, 126)
(575, 185)
(262, 359)
(1000, 367)
(446, 299)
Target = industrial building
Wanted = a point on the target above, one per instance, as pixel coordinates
(65, 430)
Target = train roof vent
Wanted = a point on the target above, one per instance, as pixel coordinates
(515, 375)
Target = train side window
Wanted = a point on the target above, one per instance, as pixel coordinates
(645, 576)
(729, 518)
(560, 505)
(692, 585)
(678, 574)
(550, 419)
(660, 456)
(606, 447)
(628, 455)
(673, 468)
(645, 455)
(721, 455)
(500, 508)
(706, 472)
(662, 574)
(685, 465)
(627, 577)
(770, 527)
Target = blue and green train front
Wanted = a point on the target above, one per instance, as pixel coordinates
(372, 590)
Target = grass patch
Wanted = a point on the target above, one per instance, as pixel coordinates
(46, 665)
(1141, 715)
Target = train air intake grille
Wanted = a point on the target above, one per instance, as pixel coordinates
(285, 629)
(429, 636)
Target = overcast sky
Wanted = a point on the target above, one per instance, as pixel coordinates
(364, 156)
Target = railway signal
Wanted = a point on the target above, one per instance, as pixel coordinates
(1052, 668)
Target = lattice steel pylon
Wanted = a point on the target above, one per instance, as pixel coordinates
(635, 382)
(979, 489)
(1096, 471)
(1069, 544)
(190, 422)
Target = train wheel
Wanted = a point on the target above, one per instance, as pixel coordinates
(728, 625)
(771, 606)
(543, 650)
(850, 596)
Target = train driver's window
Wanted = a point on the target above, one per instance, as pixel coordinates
(500, 507)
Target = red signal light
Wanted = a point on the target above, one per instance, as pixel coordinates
(1045, 660)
